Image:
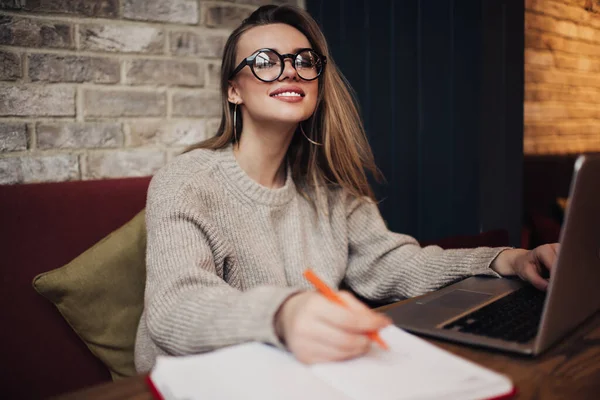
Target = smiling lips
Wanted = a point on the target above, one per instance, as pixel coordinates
(289, 94)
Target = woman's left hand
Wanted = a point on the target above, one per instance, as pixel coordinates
(529, 265)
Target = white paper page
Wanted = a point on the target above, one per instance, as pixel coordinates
(248, 371)
(411, 369)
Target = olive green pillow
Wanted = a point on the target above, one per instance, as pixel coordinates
(101, 294)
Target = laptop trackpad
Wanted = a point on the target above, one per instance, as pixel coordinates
(457, 299)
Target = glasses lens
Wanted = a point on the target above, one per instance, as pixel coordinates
(267, 65)
(308, 65)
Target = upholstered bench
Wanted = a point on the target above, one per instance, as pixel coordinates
(43, 227)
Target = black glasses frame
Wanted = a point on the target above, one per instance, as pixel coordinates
(249, 61)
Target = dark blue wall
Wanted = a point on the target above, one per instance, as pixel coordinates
(440, 84)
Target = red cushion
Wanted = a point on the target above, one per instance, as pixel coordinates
(44, 226)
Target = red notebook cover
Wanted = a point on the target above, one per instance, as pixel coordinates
(153, 389)
(508, 395)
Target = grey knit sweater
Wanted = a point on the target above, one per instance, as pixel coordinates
(224, 252)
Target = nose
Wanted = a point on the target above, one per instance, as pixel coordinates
(289, 71)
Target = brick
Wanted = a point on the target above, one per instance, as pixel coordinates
(225, 16)
(265, 2)
(535, 75)
(212, 126)
(126, 163)
(196, 104)
(59, 68)
(10, 66)
(87, 8)
(172, 133)
(12, 4)
(10, 171)
(562, 143)
(563, 129)
(583, 64)
(197, 45)
(26, 32)
(533, 112)
(185, 133)
(119, 103)
(560, 27)
(213, 73)
(546, 41)
(54, 168)
(75, 135)
(564, 11)
(541, 112)
(43, 101)
(165, 72)
(570, 94)
(176, 11)
(13, 137)
(539, 58)
(143, 133)
(122, 38)
(561, 61)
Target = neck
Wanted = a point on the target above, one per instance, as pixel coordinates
(262, 149)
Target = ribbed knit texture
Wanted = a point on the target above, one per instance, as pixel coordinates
(224, 252)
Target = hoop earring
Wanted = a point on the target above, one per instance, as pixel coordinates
(309, 139)
(235, 122)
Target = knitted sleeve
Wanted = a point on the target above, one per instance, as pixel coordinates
(384, 265)
(193, 300)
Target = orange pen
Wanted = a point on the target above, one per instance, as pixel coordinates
(332, 296)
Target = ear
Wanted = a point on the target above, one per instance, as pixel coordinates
(233, 95)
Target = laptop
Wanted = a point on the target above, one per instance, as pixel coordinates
(509, 314)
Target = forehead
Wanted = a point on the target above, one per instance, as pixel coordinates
(281, 37)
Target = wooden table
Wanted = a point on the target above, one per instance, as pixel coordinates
(569, 370)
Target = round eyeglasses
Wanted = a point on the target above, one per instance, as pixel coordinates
(268, 65)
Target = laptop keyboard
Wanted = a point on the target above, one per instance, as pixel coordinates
(515, 317)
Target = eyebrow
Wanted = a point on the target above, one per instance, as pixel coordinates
(277, 50)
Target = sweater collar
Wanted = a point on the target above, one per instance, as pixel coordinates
(249, 187)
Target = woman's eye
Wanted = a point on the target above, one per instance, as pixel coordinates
(262, 64)
(307, 64)
(264, 60)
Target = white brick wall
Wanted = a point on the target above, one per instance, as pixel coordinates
(103, 89)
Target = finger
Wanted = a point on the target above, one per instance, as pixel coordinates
(318, 352)
(355, 304)
(345, 341)
(531, 274)
(547, 255)
(352, 302)
(323, 342)
(352, 320)
(357, 319)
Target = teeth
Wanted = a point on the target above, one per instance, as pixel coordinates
(290, 94)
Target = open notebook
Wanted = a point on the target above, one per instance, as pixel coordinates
(411, 369)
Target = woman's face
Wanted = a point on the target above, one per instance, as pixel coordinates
(288, 99)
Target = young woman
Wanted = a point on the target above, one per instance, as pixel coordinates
(233, 223)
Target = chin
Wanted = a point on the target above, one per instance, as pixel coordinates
(289, 116)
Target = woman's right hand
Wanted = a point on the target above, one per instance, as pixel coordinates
(316, 330)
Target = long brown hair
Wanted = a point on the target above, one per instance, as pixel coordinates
(345, 157)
